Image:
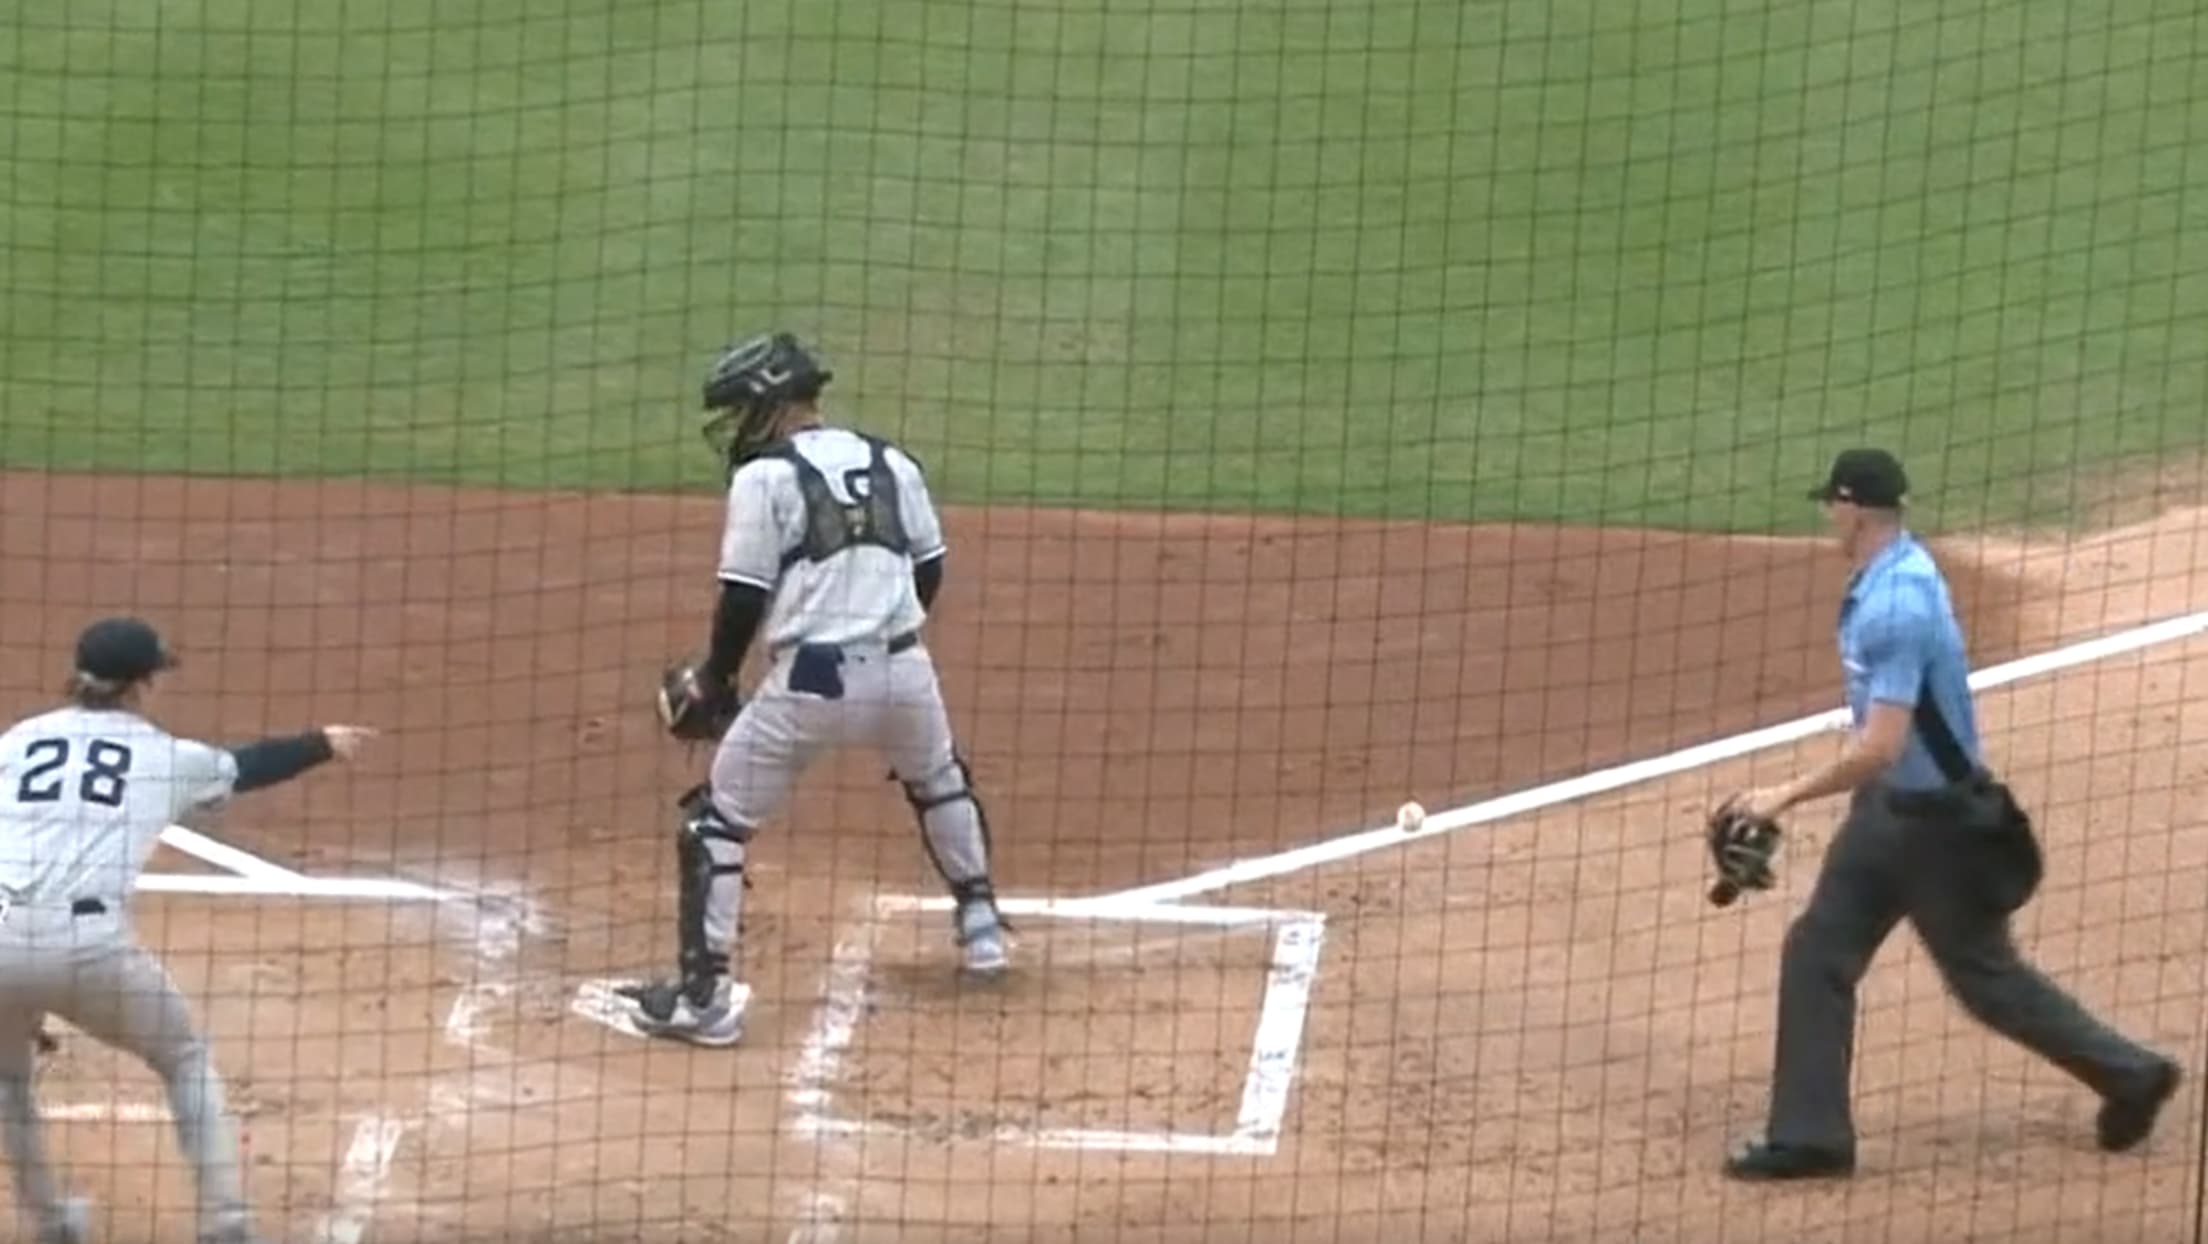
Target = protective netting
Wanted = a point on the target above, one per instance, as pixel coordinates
(1330, 405)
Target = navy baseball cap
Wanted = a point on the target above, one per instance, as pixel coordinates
(122, 650)
(1866, 477)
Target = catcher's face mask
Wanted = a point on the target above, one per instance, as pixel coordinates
(736, 433)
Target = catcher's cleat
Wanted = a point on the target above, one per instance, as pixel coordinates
(981, 936)
(71, 1223)
(668, 1009)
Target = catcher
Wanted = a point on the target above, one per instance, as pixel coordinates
(832, 551)
(1929, 835)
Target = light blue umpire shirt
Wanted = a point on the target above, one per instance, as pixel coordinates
(1899, 639)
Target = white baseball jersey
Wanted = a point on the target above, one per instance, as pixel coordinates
(864, 593)
(85, 794)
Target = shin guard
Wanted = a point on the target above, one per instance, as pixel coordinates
(709, 852)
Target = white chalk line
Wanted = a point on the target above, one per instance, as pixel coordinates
(835, 1026)
(1101, 908)
(497, 942)
(361, 1177)
(1282, 1012)
(106, 1112)
(295, 886)
(1195, 1144)
(364, 1176)
(1346, 846)
(600, 1001)
(257, 877)
(826, 1207)
(829, 1203)
(463, 1025)
(1284, 1009)
(149, 1112)
(222, 855)
(1280, 1019)
(1275, 1048)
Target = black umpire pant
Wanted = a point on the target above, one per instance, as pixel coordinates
(1880, 867)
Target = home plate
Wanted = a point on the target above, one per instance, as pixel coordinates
(601, 1002)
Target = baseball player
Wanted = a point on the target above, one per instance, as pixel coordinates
(85, 791)
(1929, 835)
(832, 553)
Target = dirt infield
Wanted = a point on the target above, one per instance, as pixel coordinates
(1533, 1031)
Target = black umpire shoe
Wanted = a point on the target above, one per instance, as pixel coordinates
(1763, 1160)
(2127, 1119)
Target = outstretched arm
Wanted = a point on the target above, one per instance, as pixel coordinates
(280, 758)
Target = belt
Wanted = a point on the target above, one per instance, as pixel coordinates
(1938, 800)
(895, 644)
(80, 907)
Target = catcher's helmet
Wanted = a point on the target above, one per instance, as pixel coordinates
(750, 383)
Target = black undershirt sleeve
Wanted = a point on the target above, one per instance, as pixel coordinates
(265, 762)
(735, 621)
(927, 579)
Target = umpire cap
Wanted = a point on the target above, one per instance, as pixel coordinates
(1871, 478)
(122, 650)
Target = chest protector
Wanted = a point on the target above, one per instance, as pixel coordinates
(831, 526)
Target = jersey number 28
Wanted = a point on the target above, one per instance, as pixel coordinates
(106, 763)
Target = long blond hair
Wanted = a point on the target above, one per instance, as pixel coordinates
(86, 691)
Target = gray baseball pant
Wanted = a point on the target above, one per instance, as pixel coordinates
(1872, 878)
(88, 970)
(809, 704)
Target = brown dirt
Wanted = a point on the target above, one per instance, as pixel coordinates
(1506, 1042)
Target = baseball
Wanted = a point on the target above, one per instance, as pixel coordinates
(1409, 817)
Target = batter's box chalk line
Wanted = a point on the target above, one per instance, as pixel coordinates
(1296, 951)
(248, 875)
(1299, 934)
(365, 1170)
(1275, 1046)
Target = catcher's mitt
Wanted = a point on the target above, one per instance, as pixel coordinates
(1743, 847)
(694, 706)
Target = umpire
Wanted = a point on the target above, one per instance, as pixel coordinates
(1929, 834)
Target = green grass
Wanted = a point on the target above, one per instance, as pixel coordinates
(1584, 260)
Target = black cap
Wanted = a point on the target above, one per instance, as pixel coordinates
(121, 650)
(1867, 477)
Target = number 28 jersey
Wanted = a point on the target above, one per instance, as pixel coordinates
(85, 795)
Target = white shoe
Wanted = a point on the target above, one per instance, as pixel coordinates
(981, 934)
(71, 1225)
(239, 1231)
(666, 1010)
